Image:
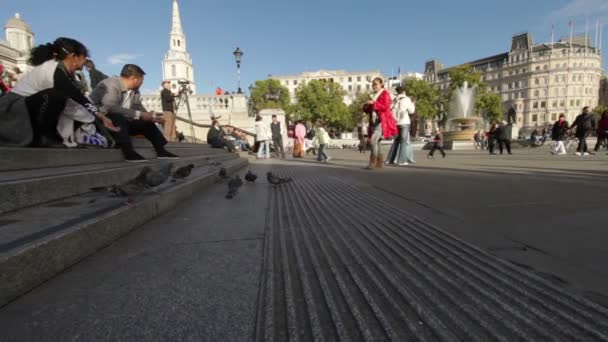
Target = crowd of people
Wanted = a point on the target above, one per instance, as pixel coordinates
(53, 104)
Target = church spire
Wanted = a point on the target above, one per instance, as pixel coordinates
(177, 20)
(177, 65)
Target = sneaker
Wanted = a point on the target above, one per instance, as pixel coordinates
(585, 154)
(134, 157)
(404, 164)
(328, 159)
(164, 154)
(578, 154)
(430, 157)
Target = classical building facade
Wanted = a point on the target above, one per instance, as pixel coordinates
(178, 67)
(15, 49)
(352, 82)
(539, 81)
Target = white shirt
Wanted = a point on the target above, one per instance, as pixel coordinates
(402, 108)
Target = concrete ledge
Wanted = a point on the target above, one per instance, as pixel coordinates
(39, 186)
(24, 267)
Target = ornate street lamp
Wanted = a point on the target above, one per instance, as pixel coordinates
(237, 57)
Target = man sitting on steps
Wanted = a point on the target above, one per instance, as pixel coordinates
(120, 98)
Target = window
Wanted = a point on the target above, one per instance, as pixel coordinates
(367, 87)
(536, 81)
(534, 117)
(562, 103)
(350, 79)
(556, 79)
(554, 104)
(580, 78)
(173, 70)
(571, 103)
(553, 116)
(564, 78)
(358, 78)
(578, 103)
(523, 95)
(545, 67)
(543, 104)
(535, 106)
(350, 88)
(537, 67)
(295, 82)
(523, 70)
(178, 42)
(358, 87)
(536, 93)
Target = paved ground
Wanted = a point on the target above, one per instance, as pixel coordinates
(204, 272)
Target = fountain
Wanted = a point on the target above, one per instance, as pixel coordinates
(461, 125)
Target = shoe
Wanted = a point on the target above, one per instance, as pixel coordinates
(429, 156)
(164, 154)
(404, 164)
(134, 157)
(328, 159)
(578, 154)
(585, 154)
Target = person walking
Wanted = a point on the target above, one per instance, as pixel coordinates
(401, 152)
(492, 138)
(585, 124)
(262, 136)
(504, 137)
(559, 134)
(299, 140)
(322, 138)
(382, 122)
(437, 144)
(167, 100)
(277, 137)
(602, 132)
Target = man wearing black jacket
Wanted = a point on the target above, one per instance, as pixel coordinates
(585, 124)
(504, 136)
(167, 100)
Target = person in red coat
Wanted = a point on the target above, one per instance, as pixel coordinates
(382, 123)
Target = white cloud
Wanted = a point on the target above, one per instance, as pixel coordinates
(122, 58)
(581, 8)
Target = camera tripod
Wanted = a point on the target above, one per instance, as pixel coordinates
(182, 97)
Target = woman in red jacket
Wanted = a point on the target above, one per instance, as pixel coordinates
(382, 123)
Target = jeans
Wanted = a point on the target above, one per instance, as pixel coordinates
(277, 142)
(559, 147)
(133, 127)
(376, 139)
(401, 151)
(321, 155)
(601, 139)
(582, 144)
(264, 145)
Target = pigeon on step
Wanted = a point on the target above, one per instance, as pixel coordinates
(129, 188)
(233, 186)
(157, 177)
(182, 172)
(250, 176)
(275, 180)
(223, 173)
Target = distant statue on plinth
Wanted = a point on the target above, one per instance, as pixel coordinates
(511, 116)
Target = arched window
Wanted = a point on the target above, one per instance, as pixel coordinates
(173, 70)
(178, 42)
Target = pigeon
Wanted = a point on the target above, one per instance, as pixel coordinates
(275, 180)
(157, 177)
(129, 188)
(233, 186)
(223, 173)
(250, 176)
(182, 172)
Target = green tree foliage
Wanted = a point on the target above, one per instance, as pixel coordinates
(460, 74)
(489, 106)
(321, 99)
(600, 109)
(269, 94)
(427, 96)
(356, 108)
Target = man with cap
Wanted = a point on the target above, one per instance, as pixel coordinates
(168, 104)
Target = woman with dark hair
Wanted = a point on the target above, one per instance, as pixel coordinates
(30, 112)
(382, 123)
(602, 131)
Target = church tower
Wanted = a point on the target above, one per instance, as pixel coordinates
(177, 65)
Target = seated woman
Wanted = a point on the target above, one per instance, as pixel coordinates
(29, 114)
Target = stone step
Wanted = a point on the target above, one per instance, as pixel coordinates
(34, 158)
(39, 242)
(24, 188)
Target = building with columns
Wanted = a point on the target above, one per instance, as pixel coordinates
(178, 67)
(15, 49)
(538, 81)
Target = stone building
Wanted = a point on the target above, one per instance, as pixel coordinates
(353, 82)
(539, 81)
(15, 49)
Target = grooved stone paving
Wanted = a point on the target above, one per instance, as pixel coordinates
(340, 264)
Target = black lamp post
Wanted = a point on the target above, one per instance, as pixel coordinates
(237, 57)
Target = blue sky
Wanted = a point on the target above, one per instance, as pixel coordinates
(286, 36)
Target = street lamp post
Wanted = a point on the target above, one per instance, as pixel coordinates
(237, 56)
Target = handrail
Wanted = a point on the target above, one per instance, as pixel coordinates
(209, 126)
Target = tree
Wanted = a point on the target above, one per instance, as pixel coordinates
(464, 73)
(355, 109)
(489, 106)
(269, 94)
(428, 98)
(321, 99)
(600, 109)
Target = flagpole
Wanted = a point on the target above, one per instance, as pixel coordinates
(570, 24)
(586, 32)
(597, 29)
(552, 35)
